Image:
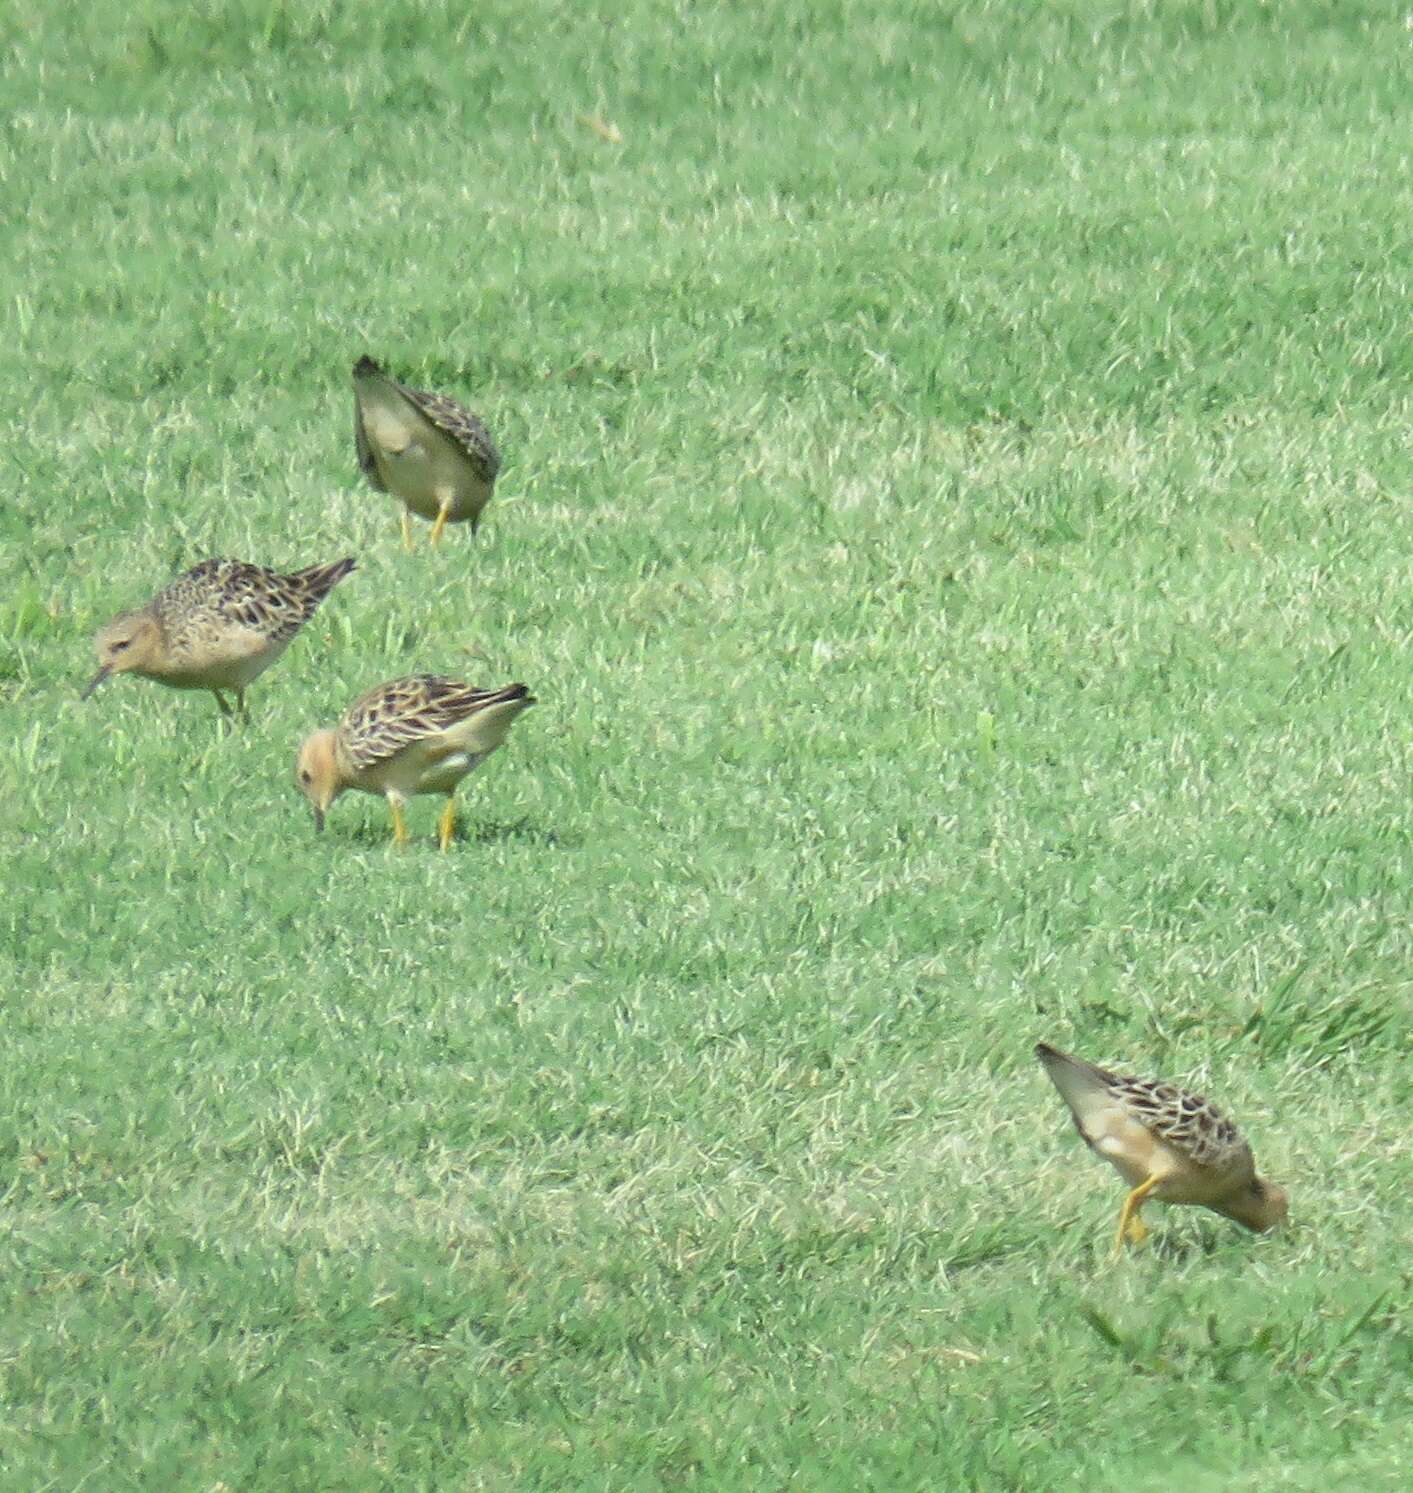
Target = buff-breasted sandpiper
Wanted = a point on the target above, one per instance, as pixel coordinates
(425, 449)
(422, 734)
(216, 627)
(1165, 1143)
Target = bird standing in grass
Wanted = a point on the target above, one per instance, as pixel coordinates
(216, 627)
(422, 734)
(1166, 1144)
(425, 449)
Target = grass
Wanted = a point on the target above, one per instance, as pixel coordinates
(958, 520)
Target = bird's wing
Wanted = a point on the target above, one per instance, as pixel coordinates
(1188, 1123)
(459, 425)
(397, 714)
(365, 448)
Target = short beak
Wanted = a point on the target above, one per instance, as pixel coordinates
(318, 820)
(97, 679)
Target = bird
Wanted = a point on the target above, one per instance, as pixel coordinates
(420, 734)
(1166, 1144)
(216, 627)
(426, 449)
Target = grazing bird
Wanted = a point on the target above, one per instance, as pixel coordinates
(425, 449)
(216, 627)
(1165, 1144)
(422, 734)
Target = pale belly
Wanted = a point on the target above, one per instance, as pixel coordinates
(428, 477)
(448, 773)
(1136, 1154)
(230, 670)
(407, 776)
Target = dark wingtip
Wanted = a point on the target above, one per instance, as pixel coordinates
(323, 578)
(1044, 1051)
(364, 365)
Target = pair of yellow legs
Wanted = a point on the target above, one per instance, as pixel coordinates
(437, 528)
(446, 825)
(1132, 1229)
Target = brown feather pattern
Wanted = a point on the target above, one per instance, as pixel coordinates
(394, 715)
(232, 591)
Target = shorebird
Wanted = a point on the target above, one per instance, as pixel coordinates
(425, 449)
(215, 627)
(422, 734)
(1166, 1144)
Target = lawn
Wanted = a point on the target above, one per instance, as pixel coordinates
(957, 518)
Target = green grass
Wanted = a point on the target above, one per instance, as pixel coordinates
(958, 520)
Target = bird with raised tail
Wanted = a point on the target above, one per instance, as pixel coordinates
(425, 449)
(1165, 1143)
(422, 734)
(215, 627)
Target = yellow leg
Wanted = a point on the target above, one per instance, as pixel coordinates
(400, 835)
(406, 531)
(222, 702)
(447, 823)
(241, 711)
(1131, 1227)
(439, 526)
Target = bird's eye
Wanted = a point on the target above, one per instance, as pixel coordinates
(305, 776)
(121, 644)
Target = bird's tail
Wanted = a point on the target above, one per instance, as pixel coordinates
(1072, 1076)
(510, 692)
(319, 580)
(495, 712)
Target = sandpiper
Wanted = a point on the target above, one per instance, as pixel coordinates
(1165, 1143)
(422, 734)
(425, 449)
(216, 627)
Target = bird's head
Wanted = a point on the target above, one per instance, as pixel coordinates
(128, 644)
(1259, 1206)
(317, 774)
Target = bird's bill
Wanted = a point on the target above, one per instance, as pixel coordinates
(97, 679)
(318, 820)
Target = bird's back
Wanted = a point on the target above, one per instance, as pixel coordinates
(426, 708)
(1101, 1101)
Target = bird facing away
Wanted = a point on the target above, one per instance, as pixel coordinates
(425, 449)
(216, 627)
(1165, 1144)
(422, 734)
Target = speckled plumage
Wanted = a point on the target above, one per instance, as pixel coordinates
(1166, 1143)
(217, 626)
(214, 598)
(401, 712)
(420, 734)
(424, 448)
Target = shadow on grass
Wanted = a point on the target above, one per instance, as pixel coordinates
(493, 832)
(487, 832)
(1182, 1244)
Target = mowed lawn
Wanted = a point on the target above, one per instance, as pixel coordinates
(957, 517)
